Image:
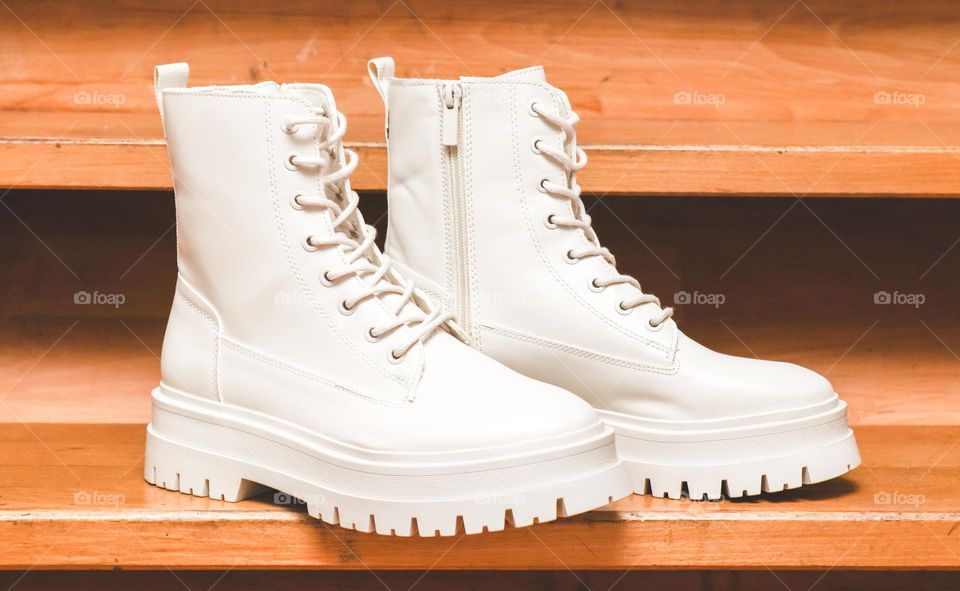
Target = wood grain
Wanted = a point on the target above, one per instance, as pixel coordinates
(790, 90)
(73, 496)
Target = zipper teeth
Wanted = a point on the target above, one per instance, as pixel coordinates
(461, 301)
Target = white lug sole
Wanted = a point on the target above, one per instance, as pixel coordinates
(215, 450)
(711, 460)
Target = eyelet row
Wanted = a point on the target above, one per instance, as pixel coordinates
(308, 245)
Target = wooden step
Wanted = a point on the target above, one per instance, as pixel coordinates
(445, 580)
(72, 496)
(799, 285)
(799, 98)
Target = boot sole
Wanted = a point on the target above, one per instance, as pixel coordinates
(742, 457)
(224, 454)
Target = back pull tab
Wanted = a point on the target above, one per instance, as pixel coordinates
(381, 70)
(169, 76)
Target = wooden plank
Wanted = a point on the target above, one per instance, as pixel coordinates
(71, 496)
(241, 580)
(810, 98)
(102, 370)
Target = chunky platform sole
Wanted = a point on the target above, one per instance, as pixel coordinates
(226, 453)
(739, 457)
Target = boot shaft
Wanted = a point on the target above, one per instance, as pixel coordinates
(241, 157)
(496, 259)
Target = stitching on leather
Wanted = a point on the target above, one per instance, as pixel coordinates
(584, 353)
(518, 174)
(467, 159)
(481, 81)
(216, 340)
(519, 73)
(445, 189)
(239, 95)
(294, 267)
(300, 372)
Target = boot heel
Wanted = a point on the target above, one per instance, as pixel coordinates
(174, 466)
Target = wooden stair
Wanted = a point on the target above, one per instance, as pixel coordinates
(74, 383)
(73, 496)
(759, 98)
(798, 100)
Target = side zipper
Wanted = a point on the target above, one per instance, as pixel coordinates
(452, 99)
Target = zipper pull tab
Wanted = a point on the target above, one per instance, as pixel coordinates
(451, 114)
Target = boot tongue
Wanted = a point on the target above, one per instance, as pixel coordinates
(317, 94)
(532, 74)
(321, 96)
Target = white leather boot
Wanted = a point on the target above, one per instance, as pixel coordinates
(491, 164)
(295, 358)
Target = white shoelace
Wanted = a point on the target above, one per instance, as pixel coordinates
(364, 260)
(572, 158)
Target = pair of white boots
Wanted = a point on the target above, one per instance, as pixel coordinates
(494, 369)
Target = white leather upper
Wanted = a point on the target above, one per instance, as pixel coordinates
(529, 307)
(253, 325)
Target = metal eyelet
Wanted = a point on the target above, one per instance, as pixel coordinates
(535, 145)
(308, 244)
(325, 279)
(540, 185)
(595, 287)
(288, 127)
(656, 328)
(531, 110)
(548, 222)
(392, 357)
(568, 257)
(295, 201)
(623, 310)
(371, 338)
(342, 307)
(288, 161)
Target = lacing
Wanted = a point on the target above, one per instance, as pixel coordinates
(363, 259)
(572, 158)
